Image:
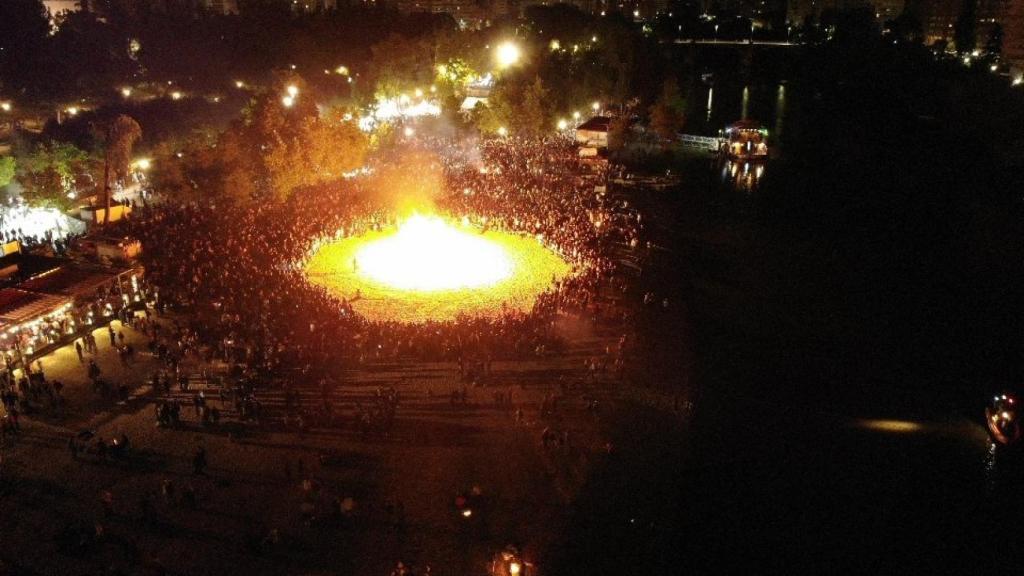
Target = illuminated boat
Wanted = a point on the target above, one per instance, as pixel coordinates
(746, 140)
(1002, 419)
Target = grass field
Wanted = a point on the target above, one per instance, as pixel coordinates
(534, 268)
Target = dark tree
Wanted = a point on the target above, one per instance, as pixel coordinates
(994, 44)
(23, 32)
(965, 32)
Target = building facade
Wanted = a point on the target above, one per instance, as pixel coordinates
(1013, 38)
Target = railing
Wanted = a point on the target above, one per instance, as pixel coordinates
(709, 143)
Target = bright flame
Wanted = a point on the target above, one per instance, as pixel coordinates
(428, 254)
(507, 54)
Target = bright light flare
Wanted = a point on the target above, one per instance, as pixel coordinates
(428, 254)
(288, 101)
(507, 54)
(435, 269)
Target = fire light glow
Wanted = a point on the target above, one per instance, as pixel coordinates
(428, 254)
(430, 269)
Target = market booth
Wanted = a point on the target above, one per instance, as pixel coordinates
(30, 321)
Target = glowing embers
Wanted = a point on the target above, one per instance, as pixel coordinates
(427, 254)
(429, 269)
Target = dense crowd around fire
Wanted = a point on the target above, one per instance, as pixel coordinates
(238, 269)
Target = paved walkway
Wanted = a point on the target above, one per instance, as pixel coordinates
(254, 483)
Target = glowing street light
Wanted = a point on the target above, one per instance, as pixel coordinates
(507, 54)
(5, 106)
(555, 45)
(419, 93)
(562, 124)
(502, 131)
(175, 95)
(239, 84)
(342, 70)
(288, 101)
(293, 90)
(143, 164)
(126, 92)
(409, 132)
(576, 115)
(72, 110)
(595, 106)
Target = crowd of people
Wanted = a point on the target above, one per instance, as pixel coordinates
(238, 269)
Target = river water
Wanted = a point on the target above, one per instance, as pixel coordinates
(794, 459)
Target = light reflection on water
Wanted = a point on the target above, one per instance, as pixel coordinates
(991, 470)
(742, 176)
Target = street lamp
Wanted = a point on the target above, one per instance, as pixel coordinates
(126, 92)
(175, 95)
(288, 101)
(502, 131)
(562, 124)
(5, 106)
(293, 90)
(507, 54)
(596, 106)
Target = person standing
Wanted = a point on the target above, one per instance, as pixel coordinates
(78, 350)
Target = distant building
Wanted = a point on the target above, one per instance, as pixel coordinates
(938, 18)
(799, 11)
(1013, 37)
